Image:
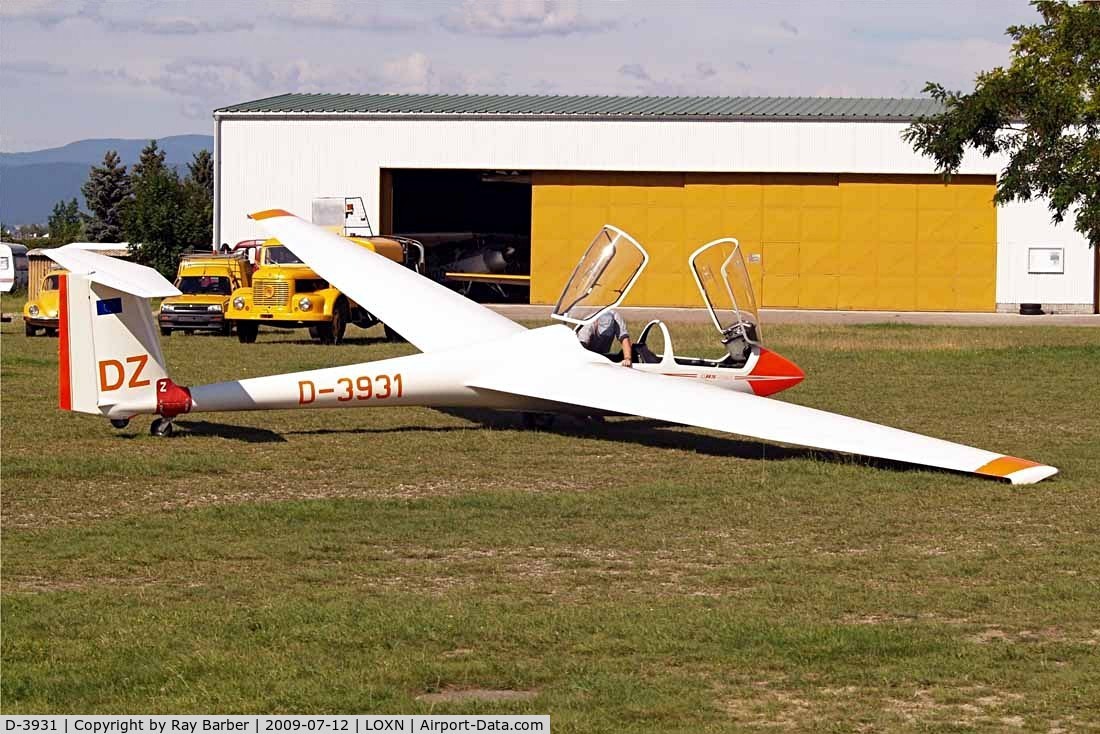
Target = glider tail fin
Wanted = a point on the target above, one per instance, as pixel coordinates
(109, 357)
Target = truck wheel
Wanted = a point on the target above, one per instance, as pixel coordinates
(30, 330)
(227, 328)
(391, 335)
(314, 333)
(333, 331)
(165, 332)
(247, 331)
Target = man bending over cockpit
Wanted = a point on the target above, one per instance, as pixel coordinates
(600, 334)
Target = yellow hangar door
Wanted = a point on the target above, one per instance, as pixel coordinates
(814, 241)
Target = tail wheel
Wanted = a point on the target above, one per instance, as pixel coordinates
(247, 331)
(162, 428)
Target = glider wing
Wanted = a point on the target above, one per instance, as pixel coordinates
(612, 388)
(430, 316)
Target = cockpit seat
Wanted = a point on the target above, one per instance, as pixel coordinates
(644, 355)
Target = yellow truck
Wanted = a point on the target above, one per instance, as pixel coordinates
(207, 282)
(287, 294)
(40, 312)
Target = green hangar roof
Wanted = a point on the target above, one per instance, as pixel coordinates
(833, 109)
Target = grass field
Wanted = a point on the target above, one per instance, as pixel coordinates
(638, 577)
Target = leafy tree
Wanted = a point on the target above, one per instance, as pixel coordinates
(1043, 112)
(152, 218)
(66, 223)
(107, 192)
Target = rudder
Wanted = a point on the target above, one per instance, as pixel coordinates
(109, 356)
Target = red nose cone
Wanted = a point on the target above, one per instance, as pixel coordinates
(773, 373)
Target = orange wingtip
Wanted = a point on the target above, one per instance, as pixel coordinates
(1005, 465)
(269, 213)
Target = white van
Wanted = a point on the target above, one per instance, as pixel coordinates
(13, 267)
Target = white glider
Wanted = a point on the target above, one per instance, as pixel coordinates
(111, 363)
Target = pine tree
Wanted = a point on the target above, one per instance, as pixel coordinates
(152, 220)
(201, 171)
(150, 161)
(66, 223)
(107, 191)
(197, 215)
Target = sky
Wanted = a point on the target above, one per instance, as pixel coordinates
(75, 69)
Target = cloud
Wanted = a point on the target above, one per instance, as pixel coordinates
(702, 79)
(635, 71)
(118, 17)
(175, 25)
(704, 70)
(200, 84)
(335, 15)
(788, 26)
(523, 19)
(47, 13)
(412, 73)
(32, 67)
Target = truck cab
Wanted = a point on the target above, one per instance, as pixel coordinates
(207, 282)
(286, 293)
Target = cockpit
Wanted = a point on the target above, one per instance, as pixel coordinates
(614, 262)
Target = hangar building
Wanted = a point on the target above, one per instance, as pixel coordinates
(835, 210)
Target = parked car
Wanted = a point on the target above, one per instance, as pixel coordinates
(40, 312)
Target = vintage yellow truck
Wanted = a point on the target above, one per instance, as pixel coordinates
(287, 294)
(207, 282)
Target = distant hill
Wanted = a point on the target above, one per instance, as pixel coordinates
(32, 182)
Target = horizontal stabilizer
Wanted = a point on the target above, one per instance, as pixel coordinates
(121, 275)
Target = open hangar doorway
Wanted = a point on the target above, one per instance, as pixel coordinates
(475, 226)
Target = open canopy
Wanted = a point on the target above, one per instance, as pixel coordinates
(602, 278)
(723, 280)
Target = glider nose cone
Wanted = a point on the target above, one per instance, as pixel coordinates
(773, 373)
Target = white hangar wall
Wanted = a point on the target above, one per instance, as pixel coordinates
(278, 160)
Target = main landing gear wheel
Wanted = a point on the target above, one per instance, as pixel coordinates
(162, 427)
(120, 423)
